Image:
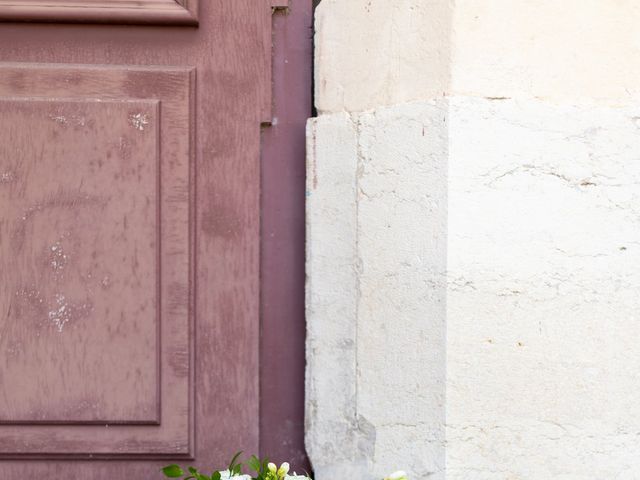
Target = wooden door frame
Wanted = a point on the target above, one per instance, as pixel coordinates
(282, 304)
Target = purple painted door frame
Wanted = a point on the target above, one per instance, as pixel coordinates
(282, 358)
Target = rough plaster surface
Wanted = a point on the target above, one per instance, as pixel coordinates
(516, 224)
(372, 53)
(401, 299)
(542, 303)
(376, 303)
(380, 52)
(336, 438)
(506, 211)
(585, 51)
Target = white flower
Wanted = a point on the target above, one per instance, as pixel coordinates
(283, 470)
(399, 475)
(226, 475)
(272, 467)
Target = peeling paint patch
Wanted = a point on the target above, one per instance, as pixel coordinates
(7, 177)
(139, 120)
(64, 120)
(59, 119)
(63, 311)
(106, 282)
(32, 295)
(61, 315)
(58, 258)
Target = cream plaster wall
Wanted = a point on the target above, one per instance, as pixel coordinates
(543, 374)
(568, 51)
(372, 53)
(376, 292)
(380, 52)
(473, 242)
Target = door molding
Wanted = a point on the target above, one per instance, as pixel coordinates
(151, 113)
(158, 12)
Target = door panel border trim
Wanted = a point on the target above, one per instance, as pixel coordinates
(151, 12)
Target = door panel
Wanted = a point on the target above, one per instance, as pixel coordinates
(170, 12)
(95, 260)
(66, 220)
(129, 242)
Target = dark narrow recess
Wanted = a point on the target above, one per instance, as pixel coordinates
(282, 352)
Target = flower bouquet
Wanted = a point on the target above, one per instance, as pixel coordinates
(263, 470)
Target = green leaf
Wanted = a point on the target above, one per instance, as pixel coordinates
(232, 464)
(237, 470)
(254, 463)
(173, 471)
(216, 476)
(193, 470)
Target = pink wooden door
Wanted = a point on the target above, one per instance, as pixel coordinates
(129, 233)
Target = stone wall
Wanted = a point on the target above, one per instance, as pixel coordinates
(473, 238)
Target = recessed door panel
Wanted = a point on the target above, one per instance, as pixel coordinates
(80, 264)
(167, 12)
(95, 261)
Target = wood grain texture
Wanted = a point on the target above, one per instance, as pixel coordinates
(161, 12)
(95, 261)
(231, 53)
(70, 281)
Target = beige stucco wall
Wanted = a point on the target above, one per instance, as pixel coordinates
(373, 53)
(569, 51)
(473, 240)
